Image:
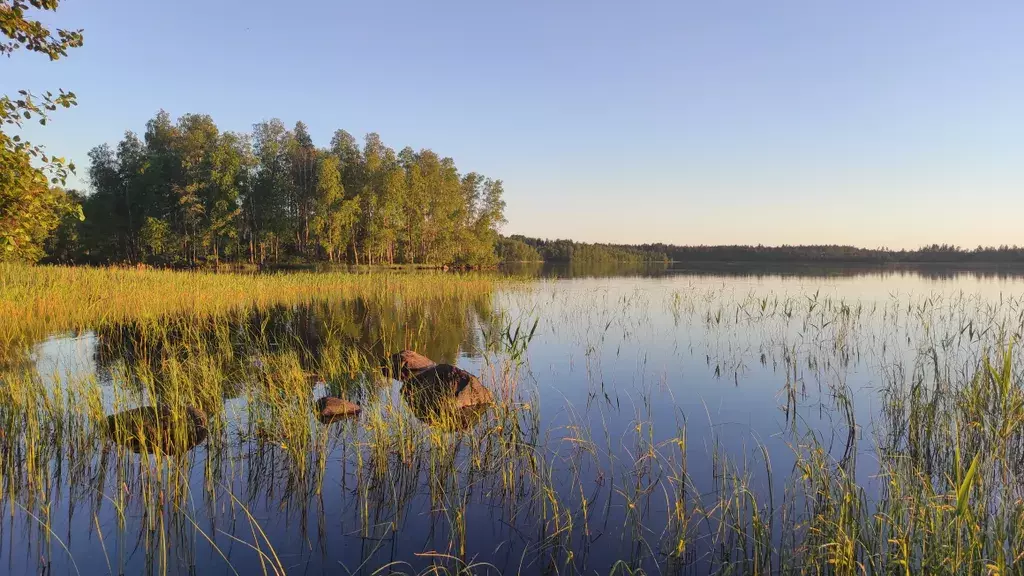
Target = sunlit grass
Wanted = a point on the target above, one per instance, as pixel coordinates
(37, 301)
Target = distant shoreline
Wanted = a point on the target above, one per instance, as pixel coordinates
(862, 263)
(770, 263)
(521, 247)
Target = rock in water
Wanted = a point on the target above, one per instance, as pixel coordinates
(329, 407)
(451, 419)
(445, 384)
(406, 364)
(157, 428)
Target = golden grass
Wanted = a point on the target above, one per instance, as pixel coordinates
(41, 300)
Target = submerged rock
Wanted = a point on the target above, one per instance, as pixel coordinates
(444, 417)
(158, 429)
(406, 364)
(329, 408)
(444, 386)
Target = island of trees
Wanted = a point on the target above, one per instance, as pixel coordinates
(188, 194)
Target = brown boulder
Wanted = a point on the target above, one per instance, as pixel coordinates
(446, 385)
(406, 364)
(158, 428)
(330, 407)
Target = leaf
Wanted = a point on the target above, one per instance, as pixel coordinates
(964, 491)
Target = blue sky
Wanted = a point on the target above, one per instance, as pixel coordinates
(874, 123)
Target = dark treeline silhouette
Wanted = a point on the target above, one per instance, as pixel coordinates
(834, 253)
(518, 248)
(521, 248)
(937, 271)
(187, 194)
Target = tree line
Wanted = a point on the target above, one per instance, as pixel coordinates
(518, 248)
(937, 253)
(186, 193)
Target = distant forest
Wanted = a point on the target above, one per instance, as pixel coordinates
(523, 249)
(188, 194)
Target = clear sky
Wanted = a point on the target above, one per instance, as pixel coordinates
(868, 122)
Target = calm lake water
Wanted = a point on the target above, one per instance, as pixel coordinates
(638, 389)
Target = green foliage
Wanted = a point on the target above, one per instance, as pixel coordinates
(31, 35)
(513, 250)
(29, 212)
(485, 213)
(187, 195)
(64, 244)
(155, 237)
(29, 207)
(581, 252)
(334, 216)
(511, 337)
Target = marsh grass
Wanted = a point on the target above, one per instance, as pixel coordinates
(38, 301)
(573, 493)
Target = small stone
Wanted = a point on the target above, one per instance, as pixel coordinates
(331, 407)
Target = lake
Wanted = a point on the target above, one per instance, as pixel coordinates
(646, 420)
